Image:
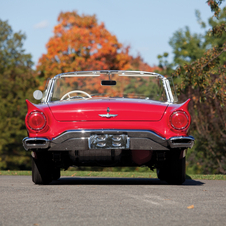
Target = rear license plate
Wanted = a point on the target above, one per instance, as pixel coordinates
(108, 141)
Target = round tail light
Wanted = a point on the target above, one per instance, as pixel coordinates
(179, 120)
(36, 120)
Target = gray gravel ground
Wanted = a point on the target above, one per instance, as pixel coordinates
(111, 201)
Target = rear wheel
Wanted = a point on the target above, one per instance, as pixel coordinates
(177, 171)
(174, 170)
(162, 173)
(41, 169)
(56, 173)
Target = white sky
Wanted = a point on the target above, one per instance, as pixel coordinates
(145, 25)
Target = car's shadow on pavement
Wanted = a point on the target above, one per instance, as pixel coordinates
(117, 181)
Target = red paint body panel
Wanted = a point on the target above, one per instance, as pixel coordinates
(126, 110)
(133, 115)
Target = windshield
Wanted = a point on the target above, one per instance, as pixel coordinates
(108, 86)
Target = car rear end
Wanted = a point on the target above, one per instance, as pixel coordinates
(110, 130)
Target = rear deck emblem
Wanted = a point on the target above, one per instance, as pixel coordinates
(107, 115)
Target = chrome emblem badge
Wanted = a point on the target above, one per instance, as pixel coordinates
(107, 115)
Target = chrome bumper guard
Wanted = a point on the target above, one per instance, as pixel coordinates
(35, 143)
(108, 139)
(181, 142)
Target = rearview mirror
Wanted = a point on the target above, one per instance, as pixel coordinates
(108, 83)
(37, 94)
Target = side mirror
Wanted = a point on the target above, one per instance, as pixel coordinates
(37, 94)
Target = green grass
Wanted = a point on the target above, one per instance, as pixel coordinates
(116, 174)
(19, 173)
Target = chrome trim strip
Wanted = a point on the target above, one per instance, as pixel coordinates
(186, 138)
(119, 72)
(169, 91)
(131, 133)
(50, 90)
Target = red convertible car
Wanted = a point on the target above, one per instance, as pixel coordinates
(108, 118)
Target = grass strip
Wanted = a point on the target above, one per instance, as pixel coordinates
(116, 174)
(109, 174)
(17, 172)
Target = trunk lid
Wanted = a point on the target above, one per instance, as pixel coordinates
(101, 109)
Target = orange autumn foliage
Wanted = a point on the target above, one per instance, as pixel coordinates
(80, 43)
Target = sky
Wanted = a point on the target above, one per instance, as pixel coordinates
(145, 25)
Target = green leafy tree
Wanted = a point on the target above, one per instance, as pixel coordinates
(16, 82)
(201, 75)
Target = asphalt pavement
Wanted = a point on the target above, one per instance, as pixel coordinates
(111, 201)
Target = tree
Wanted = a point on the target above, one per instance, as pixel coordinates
(201, 76)
(16, 82)
(81, 43)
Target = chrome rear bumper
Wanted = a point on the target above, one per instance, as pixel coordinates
(80, 140)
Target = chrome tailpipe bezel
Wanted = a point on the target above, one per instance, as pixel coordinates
(35, 143)
(181, 142)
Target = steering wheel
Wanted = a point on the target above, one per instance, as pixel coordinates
(74, 91)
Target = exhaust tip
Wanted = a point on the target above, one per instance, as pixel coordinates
(35, 143)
